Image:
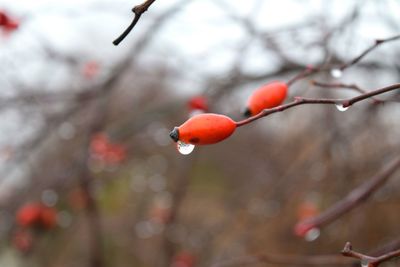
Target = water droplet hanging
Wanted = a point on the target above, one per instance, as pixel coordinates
(183, 148)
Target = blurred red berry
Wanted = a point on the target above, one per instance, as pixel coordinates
(160, 214)
(99, 144)
(102, 149)
(48, 217)
(91, 69)
(115, 154)
(36, 215)
(7, 23)
(307, 210)
(310, 67)
(11, 26)
(302, 228)
(29, 214)
(3, 18)
(198, 103)
(22, 240)
(184, 259)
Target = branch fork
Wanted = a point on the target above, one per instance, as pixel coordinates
(368, 261)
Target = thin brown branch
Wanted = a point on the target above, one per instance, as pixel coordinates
(392, 245)
(138, 11)
(325, 67)
(52, 98)
(345, 103)
(338, 85)
(377, 43)
(92, 211)
(298, 260)
(366, 260)
(305, 73)
(371, 93)
(353, 199)
(353, 87)
(178, 193)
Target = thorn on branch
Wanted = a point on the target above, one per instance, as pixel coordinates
(298, 98)
(347, 249)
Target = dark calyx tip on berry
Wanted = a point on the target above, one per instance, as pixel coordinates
(247, 113)
(174, 134)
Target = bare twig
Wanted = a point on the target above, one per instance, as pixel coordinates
(352, 200)
(345, 103)
(298, 260)
(178, 193)
(138, 11)
(327, 67)
(353, 87)
(51, 97)
(338, 85)
(392, 245)
(305, 73)
(303, 260)
(377, 43)
(366, 260)
(96, 258)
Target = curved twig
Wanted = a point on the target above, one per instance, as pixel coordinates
(366, 260)
(324, 67)
(377, 43)
(352, 200)
(138, 11)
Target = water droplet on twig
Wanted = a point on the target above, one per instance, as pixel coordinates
(340, 107)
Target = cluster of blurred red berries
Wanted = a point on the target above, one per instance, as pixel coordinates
(8, 24)
(198, 104)
(31, 217)
(101, 148)
(37, 215)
